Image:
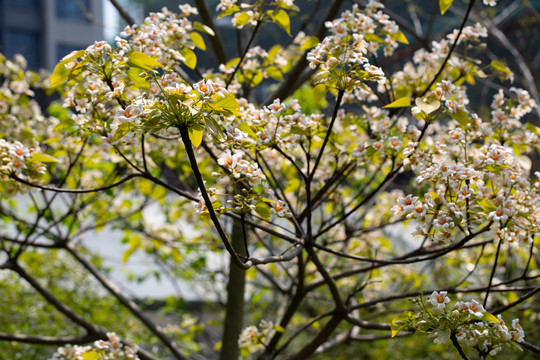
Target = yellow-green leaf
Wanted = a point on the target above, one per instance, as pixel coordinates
(139, 81)
(90, 355)
(242, 19)
(400, 36)
(281, 18)
(142, 61)
(244, 126)
(233, 62)
(191, 58)
(445, 5)
(256, 80)
(203, 28)
(279, 328)
(61, 73)
(532, 128)
(401, 322)
(229, 103)
(122, 130)
(198, 40)
(274, 73)
(43, 158)
(401, 102)
(373, 37)
(489, 317)
(461, 117)
(500, 66)
(195, 136)
(263, 210)
(309, 43)
(274, 51)
(319, 91)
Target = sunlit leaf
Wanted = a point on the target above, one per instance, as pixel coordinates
(242, 19)
(203, 28)
(309, 43)
(319, 91)
(263, 210)
(43, 158)
(190, 57)
(195, 136)
(401, 102)
(401, 322)
(281, 18)
(61, 72)
(141, 82)
(141, 60)
(91, 355)
(198, 40)
(500, 66)
(445, 5)
(274, 73)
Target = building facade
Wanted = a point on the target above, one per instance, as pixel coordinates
(43, 31)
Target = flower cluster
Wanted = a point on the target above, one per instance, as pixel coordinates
(467, 321)
(163, 35)
(111, 349)
(342, 56)
(252, 337)
(258, 64)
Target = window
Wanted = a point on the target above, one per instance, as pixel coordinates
(25, 43)
(75, 10)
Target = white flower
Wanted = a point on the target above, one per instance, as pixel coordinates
(439, 299)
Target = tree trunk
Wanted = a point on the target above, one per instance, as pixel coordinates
(234, 315)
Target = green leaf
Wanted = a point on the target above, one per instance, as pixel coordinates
(43, 158)
(309, 43)
(229, 11)
(139, 81)
(487, 206)
(401, 102)
(242, 19)
(319, 91)
(122, 130)
(203, 28)
(401, 322)
(191, 58)
(198, 40)
(263, 210)
(142, 61)
(279, 328)
(445, 5)
(281, 18)
(461, 117)
(91, 355)
(256, 80)
(532, 128)
(489, 317)
(373, 37)
(213, 125)
(229, 103)
(244, 126)
(61, 73)
(274, 73)
(400, 36)
(195, 136)
(233, 62)
(274, 51)
(500, 66)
